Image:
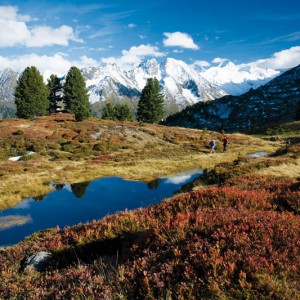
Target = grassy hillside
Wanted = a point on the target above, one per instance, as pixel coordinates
(231, 234)
(69, 151)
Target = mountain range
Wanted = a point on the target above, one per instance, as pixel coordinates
(276, 102)
(182, 84)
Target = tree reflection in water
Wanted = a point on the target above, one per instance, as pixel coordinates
(39, 198)
(59, 186)
(79, 189)
(154, 184)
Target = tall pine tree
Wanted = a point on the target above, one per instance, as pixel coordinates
(55, 94)
(31, 94)
(151, 104)
(76, 95)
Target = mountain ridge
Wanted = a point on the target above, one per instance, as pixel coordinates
(182, 84)
(275, 102)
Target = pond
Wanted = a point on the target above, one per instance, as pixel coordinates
(70, 204)
(258, 154)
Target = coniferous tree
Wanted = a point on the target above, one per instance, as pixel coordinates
(108, 112)
(151, 103)
(55, 94)
(31, 94)
(76, 95)
(123, 112)
(120, 112)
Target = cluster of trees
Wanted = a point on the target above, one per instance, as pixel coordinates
(150, 106)
(34, 98)
(120, 112)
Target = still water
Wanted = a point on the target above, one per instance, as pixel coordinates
(71, 204)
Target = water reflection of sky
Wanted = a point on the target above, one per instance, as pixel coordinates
(10, 221)
(74, 203)
(182, 177)
(24, 204)
(258, 154)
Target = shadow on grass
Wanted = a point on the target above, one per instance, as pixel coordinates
(89, 252)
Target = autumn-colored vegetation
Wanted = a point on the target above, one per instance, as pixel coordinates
(231, 234)
(237, 241)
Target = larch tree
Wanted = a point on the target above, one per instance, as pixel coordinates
(31, 94)
(151, 103)
(76, 95)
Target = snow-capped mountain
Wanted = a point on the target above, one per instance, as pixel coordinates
(109, 83)
(238, 79)
(8, 80)
(276, 102)
(180, 83)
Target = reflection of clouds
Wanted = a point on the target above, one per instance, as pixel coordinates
(68, 187)
(183, 177)
(188, 172)
(23, 205)
(258, 154)
(8, 222)
(178, 180)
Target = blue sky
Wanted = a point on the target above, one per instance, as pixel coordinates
(56, 34)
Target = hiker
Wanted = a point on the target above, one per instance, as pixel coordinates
(225, 142)
(212, 145)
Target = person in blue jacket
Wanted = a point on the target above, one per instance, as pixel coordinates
(212, 146)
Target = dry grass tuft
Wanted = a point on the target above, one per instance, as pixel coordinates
(285, 170)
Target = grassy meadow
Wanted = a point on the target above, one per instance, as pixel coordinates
(68, 151)
(232, 234)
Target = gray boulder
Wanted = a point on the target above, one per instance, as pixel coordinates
(37, 262)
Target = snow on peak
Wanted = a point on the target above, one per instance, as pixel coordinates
(147, 69)
(182, 84)
(238, 79)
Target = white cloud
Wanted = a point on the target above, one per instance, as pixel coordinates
(142, 36)
(133, 57)
(87, 61)
(60, 36)
(57, 64)
(14, 31)
(11, 13)
(177, 51)
(179, 39)
(131, 25)
(201, 63)
(281, 60)
(219, 60)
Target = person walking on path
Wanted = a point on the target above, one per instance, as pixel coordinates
(225, 142)
(212, 145)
